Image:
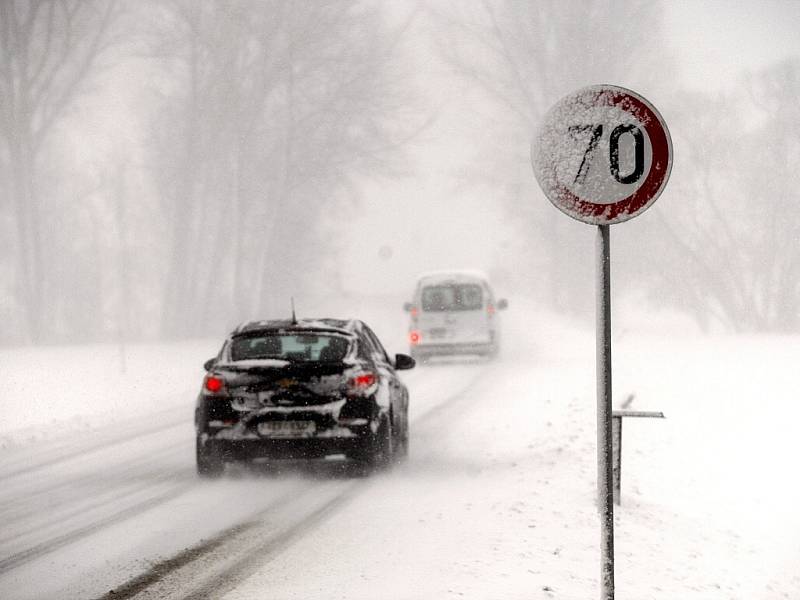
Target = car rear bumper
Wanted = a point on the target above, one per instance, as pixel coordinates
(284, 448)
(453, 349)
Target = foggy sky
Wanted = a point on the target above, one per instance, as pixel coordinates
(459, 192)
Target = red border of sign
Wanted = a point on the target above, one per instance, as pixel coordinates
(628, 207)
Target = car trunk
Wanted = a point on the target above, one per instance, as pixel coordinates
(295, 384)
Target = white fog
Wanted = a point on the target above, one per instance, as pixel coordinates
(171, 169)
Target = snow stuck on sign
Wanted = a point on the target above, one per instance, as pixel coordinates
(602, 155)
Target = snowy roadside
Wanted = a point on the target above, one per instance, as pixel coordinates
(58, 391)
(717, 477)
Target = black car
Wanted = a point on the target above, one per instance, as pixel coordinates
(302, 389)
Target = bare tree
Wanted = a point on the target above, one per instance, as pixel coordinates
(49, 50)
(273, 107)
(525, 56)
(736, 237)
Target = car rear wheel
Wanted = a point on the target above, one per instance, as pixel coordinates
(378, 449)
(209, 463)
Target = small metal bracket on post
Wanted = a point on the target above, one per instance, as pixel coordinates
(616, 437)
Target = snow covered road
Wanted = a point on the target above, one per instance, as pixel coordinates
(496, 499)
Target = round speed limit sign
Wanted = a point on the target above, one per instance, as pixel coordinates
(603, 154)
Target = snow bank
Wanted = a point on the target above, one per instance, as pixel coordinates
(56, 391)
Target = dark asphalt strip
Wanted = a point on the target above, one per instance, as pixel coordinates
(277, 543)
(165, 567)
(160, 570)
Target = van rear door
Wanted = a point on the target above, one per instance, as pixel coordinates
(453, 313)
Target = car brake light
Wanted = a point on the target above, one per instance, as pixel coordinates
(414, 312)
(214, 384)
(490, 309)
(363, 382)
(414, 337)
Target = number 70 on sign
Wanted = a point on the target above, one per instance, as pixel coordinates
(596, 133)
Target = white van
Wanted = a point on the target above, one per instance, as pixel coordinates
(454, 312)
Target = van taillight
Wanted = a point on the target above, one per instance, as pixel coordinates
(414, 337)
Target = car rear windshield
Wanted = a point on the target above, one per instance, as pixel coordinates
(459, 296)
(304, 347)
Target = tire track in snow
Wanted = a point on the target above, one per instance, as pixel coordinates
(109, 441)
(240, 548)
(113, 497)
(21, 503)
(277, 543)
(19, 558)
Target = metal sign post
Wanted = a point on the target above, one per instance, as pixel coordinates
(605, 494)
(602, 156)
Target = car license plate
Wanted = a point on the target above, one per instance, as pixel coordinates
(287, 428)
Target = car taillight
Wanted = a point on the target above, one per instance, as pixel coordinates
(414, 337)
(490, 309)
(362, 383)
(214, 384)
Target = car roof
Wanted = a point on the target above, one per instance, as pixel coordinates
(341, 326)
(456, 276)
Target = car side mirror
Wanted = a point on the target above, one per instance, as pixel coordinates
(209, 364)
(502, 304)
(407, 306)
(403, 362)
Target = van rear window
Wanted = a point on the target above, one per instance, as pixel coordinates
(463, 296)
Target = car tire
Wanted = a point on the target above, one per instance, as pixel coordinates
(378, 448)
(209, 463)
(384, 445)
